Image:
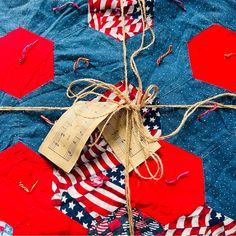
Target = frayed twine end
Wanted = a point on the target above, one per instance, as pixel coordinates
(47, 120)
(169, 51)
(67, 3)
(177, 178)
(216, 105)
(25, 50)
(229, 55)
(180, 4)
(86, 60)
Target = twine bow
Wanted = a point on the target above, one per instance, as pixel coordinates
(134, 122)
(134, 119)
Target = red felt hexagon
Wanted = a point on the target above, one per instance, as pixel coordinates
(19, 79)
(166, 202)
(24, 210)
(207, 56)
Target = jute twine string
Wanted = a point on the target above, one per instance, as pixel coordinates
(133, 117)
(163, 106)
(132, 109)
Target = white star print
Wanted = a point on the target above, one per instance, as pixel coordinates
(145, 109)
(114, 169)
(155, 127)
(152, 119)
(85, 225)
(64, 211)
(94, 222)
(122, 181)
(218, 215)
(113, 178)
(7, 229)
(64, 199)
(71, 205)
(147, 127)
(80, 214)
(122, 172)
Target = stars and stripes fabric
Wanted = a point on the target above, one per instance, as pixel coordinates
(76, 211)
(105, 16)
(96, 183)
(203, 221)
(117, 224)
(101, 201)
(5, 229)
(151, 116)
(82, 185)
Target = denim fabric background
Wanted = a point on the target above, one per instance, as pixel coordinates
(214, 140)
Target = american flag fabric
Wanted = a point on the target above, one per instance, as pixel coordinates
(204, 221)
(76, 211)
(117, 224)
(98, 201)
(5, 229)
(96, 183)
(105, 16)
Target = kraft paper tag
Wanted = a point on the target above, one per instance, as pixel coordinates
(66, 139)
(115, 134)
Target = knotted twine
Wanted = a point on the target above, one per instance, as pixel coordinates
(134, 121)
(133, 117)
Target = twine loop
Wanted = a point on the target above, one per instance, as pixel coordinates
(133, 107)
(134, 124)
(134, 121)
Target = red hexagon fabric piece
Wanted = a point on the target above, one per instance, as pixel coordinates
(26, 191)
(172, 196)
(213, 56)
(26, 62)
(105, 16)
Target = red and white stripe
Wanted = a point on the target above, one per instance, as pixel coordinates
(2, 226)
(102, 227)
(104, 16)
(198, 224)
(98, 201)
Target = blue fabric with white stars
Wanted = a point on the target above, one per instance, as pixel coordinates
(216, 218)
(116, 175)
(214, 140)
(149, 12)
(73, 209)
(76, 211)
(151, 117)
